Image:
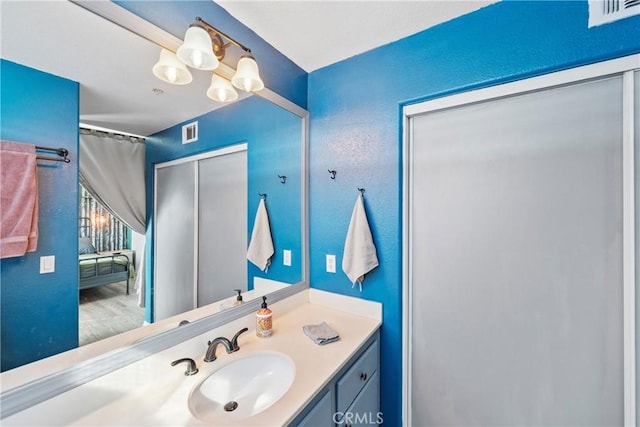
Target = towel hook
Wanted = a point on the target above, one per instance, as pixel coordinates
(332, 173)
(361, 190)
(283, 178)
(263, 195)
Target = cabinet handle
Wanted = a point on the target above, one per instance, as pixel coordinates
(363, 376)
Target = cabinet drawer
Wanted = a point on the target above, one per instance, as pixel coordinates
(356, 377)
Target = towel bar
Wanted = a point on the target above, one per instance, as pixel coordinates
(62, 152)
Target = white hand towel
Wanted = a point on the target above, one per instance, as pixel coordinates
(359, 255)
(261, 246)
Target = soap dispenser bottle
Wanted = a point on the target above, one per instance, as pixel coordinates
(238, 300)
(264, 323)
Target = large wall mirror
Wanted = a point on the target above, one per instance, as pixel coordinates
(48, 36)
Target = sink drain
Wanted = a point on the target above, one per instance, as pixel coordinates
(230, 406)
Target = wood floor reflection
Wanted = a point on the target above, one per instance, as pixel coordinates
(106, 311)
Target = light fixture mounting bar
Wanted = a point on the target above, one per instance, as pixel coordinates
(211, 29)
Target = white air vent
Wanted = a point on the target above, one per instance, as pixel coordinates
(605, 11)
(190, 132)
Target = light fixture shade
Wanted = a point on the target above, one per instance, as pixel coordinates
(169, 69)
(197, 51)
(221, 90)
(247, 76)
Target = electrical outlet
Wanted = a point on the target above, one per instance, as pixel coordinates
(286, 257)
(331, 263)
(47, 264)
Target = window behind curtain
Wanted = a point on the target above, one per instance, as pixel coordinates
(106, 232)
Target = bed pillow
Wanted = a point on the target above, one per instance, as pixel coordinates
(86, 247)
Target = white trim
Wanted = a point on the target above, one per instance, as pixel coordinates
(196, 232)
(407, 278)
(600, 69)
(628, 227)
(152, 295)
(206, 155)
(620, 66)
(304, 196)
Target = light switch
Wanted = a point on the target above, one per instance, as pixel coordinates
(47, 264)
(286, 257)
(331, 263)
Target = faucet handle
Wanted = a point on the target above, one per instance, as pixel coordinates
(234, 341)
(191, 369)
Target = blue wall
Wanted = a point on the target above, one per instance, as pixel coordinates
(355, 110)
(277, 71)
(39, 313)
(273, 139)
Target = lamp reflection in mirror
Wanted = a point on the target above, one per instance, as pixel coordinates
(197, 51)
(221, 90)
(203, 48)
(247, 76)
(169, 69)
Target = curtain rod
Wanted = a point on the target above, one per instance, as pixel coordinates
(103, 133)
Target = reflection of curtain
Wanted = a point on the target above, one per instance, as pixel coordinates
(107, 232)
(112, 170)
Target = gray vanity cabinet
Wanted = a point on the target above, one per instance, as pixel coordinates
(320, 412)
(352, 397)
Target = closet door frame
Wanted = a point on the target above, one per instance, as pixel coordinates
(625, 67)
(236, 148)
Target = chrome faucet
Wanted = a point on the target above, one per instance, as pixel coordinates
(231, 346)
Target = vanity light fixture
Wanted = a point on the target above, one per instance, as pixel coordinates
(203, 48)
(221, 90)
(169, 69)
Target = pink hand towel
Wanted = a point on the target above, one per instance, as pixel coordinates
(18, 199)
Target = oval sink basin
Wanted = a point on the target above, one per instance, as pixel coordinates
(242, 388)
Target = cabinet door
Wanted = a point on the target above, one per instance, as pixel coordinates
(321, 414)
(365, 410)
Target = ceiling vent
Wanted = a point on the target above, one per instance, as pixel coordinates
(190, 132)
(605, 11)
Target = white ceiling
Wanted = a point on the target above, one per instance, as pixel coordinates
(113, 65)
(315, 33)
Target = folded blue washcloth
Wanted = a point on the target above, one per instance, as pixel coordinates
(321, 334)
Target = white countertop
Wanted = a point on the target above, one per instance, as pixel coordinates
(151, 392)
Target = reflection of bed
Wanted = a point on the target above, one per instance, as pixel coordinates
(97, 269)
(103, 269)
